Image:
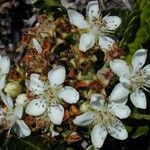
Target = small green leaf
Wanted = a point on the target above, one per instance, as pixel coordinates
(129, 128)
(142, 130)
(50, 3)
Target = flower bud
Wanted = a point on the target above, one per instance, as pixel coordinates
(13, 88)
(22, 99)
(84, 107)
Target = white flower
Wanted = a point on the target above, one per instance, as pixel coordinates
(103, 117)
(50, 94)
(95, 25)
(133, 78)
(4, 69)
(13, 117)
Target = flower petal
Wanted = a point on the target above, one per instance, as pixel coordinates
(146, 69)
(77, 19)
(57, 75)
(18, 111)
(56, 114)
(23, 129)
(84, 119)
(117, 130)
(138, 99)
(112, 22)
(2, 82)
(119, 93)
(35, 84)
(105, 42)
(7, 100)
(120, 110)
(36, 107)
(92, 10)
(69, 94)
(97, 101)
(98, 136)
(4, 64)
(120, 68)
(2, 116)
(37, 45)
(87, 41)
(139, 58)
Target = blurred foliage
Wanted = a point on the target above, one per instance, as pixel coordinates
(136, 25)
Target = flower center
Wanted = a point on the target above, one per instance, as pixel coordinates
(50, 95)
(97, 25)
(104, 117)
(138, 79)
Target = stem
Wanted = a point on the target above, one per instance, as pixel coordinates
(140, 116)
(29, 144)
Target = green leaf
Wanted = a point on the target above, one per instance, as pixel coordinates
(142, 130)
(51, 3)
(143, 34)
(129, 128)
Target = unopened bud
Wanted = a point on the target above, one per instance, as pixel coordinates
(22, 99)
(84, 107)
(13, 88)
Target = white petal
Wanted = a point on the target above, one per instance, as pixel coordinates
(84, 119)
(57, 75)
(112, 22)
(4, 64)
(87, 41)
(22, 99)
(139, 58)
(119, 93)
(77, 19)
(23, 128)
(120, 110)
(35, 84)
(147, 69)
(36, 107)
(125, 81)
(2, 116)
(56, 114)
(2, 82)
(117, 130)
(7, 100)
(98, 136)
(97, 101)
(120, 68)
(105, 42)
(37, 45)
(138, 99)
(92, 10)
(18, 111)
(69, 94)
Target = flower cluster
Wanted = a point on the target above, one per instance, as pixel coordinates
(56, 83)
